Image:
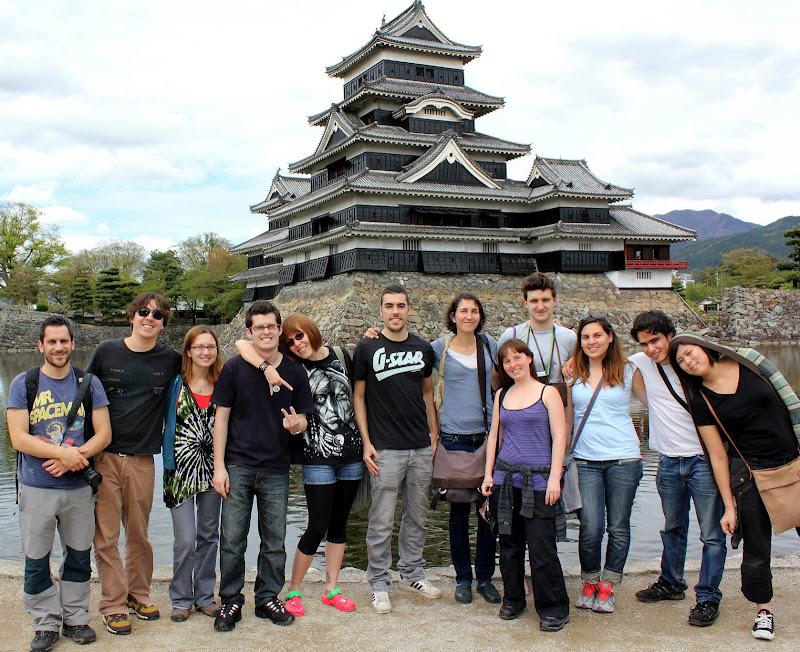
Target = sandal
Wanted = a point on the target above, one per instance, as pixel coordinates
(294, 604)
(336, 599)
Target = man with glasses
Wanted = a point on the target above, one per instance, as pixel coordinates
(135, 372)
(251, 460)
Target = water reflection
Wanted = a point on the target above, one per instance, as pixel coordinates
(646, 519)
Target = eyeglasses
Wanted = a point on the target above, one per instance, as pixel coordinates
(296, 338)
(144, 312)
(204, 347)
(270, 328)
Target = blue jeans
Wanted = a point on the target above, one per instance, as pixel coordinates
(679, 479)
(459, 524)
(330, 473)
(271, 492)
(607, 491)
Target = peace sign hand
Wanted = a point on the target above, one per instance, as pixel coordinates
(293, 422)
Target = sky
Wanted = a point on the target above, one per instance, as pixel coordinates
(156, 121)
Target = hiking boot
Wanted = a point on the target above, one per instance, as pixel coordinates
(275, 611)
(43, 640)
(211, 609)
(421, 587)
(764, 626)
(143, 611)
(381, 602)
(553, 623)
(588, 596)
(80, 634)
(463, 593)
(117, 623)
(604, 598)
(489, 593)
(228, 616)
(704, 613)
(179, 615)
(659, 591)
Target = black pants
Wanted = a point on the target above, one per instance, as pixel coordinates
(328, 510)
(539, 534)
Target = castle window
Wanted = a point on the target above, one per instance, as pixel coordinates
(411, 245)
(490, 247)
(333, 249)
(307, 256)
(584, 246)
(644, 276)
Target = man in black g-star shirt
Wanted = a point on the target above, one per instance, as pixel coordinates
(393, 401)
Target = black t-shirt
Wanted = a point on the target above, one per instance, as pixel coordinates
(332, 436)
(136, 383)
(256, 437)
(755, 418)
(394, 372)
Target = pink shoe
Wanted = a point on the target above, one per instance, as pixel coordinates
(294, 604)
(336, 599)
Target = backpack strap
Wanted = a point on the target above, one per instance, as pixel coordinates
(438, 391)
(84, 385)
(339, 353)
(481, 361)
(31, 386)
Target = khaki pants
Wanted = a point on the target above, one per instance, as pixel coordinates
(124, 497)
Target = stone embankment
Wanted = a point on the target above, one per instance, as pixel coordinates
(756, 315)
(345, 305)
(19, 330)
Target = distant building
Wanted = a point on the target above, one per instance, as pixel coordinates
(403, 181)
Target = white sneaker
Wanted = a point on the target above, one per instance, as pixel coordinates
(764, 626)
(381, 602)
(421, 587)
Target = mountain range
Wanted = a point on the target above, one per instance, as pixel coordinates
(718, 233)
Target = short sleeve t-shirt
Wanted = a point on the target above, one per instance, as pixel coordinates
(546, 357)
(137, 384)
(462, 410)
(609, 433)
(394, 374)
(48, 422)
(672, 430)
(754, 416)
(332, 436)
(256, 437)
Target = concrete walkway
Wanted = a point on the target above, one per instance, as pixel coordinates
(419, 624)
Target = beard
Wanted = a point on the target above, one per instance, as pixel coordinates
(51, 360)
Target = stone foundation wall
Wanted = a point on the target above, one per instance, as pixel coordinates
(756, 315)
(345, 305)
(19, 330)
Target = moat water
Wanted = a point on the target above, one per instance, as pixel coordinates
(646, 520)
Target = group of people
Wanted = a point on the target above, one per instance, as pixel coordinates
(551, 404)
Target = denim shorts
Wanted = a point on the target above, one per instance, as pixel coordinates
(329, 474)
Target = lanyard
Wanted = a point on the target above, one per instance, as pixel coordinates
(539, 351)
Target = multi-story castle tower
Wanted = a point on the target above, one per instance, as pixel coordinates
(402, 181)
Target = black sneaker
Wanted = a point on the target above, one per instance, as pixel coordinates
(228, 616)
(43, 640)
(463, 593)
(275, 611)
(553, 623)
(81, 634)
(764, 626)
(489, 593)
(659, 591)
(704, 613)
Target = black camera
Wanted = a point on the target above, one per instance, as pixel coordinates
(92, 477)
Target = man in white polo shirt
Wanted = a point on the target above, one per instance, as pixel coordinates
(684, 473)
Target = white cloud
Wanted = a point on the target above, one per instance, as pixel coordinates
(151, 242)
(77, 242)
(103, 228)
(63, 216)
(35, 194)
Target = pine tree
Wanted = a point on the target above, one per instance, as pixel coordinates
(81, 297)
(112, 294)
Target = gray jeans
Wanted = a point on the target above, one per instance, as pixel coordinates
(408, 473)
(41, 511)
(194, 552)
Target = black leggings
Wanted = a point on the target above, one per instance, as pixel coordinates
(328, 510)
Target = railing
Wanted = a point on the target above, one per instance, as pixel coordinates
(656, 264)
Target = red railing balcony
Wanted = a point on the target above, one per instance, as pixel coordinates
(656, 264)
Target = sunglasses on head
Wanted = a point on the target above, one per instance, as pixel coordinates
(297, 337)
(144, 312)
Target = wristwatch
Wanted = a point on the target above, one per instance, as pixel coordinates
(264, 366)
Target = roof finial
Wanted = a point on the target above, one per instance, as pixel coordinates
(383, 20)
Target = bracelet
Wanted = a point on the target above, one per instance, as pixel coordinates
(264, 366)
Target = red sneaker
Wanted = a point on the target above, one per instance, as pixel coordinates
(587, 598)
(294, 604)
(604, 602)
(336, 599)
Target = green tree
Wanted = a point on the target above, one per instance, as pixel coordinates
(211, 285)
(26, 244)
(24, 286)
(749, 268)
(113, 293)
(194, 252)
(793, 265)
(163, 273)
(57, 284)
(81, 296)
(127, 256)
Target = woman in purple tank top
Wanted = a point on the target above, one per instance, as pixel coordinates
(528, 422)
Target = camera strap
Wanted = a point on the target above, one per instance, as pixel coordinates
(83, 387)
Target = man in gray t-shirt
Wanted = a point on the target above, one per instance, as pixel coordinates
(551, 345)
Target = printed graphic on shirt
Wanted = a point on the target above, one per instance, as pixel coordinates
(399, 362)
(47, 408)
(331, 427)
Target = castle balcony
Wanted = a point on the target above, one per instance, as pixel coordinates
(656, 264)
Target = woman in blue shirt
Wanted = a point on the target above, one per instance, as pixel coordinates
(608, 457)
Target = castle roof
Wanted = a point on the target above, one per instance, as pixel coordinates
(412, 30)
(573, 176)
(257, 243)
(406, 90)
(282, 190)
